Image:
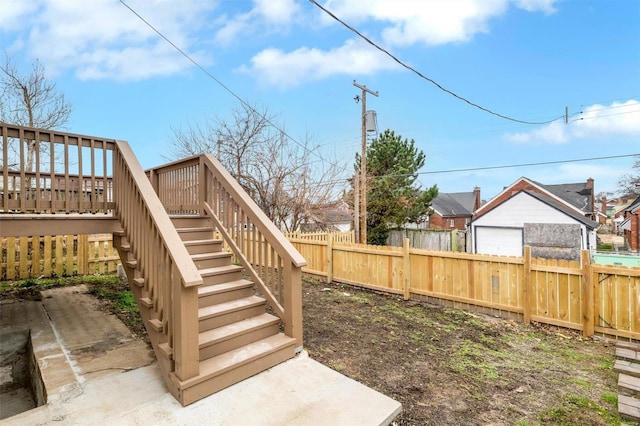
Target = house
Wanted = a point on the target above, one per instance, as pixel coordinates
(454, 210)
(331, 217)
(630, 225)
(557, 221)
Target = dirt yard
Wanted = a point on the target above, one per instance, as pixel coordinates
(446, 366)
(451, 367)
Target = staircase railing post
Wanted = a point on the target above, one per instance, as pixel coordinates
(185, 316)
(202, 185)
(293, 302)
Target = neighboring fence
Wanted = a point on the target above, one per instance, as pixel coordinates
(62, 255)
(430, 239)
(338, 237)
(582, 296)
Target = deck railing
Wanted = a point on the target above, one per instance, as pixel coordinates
(45, 171)
(170, 276)
(201, 185)
(50, 172)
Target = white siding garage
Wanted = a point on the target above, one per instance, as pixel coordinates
(499, 241)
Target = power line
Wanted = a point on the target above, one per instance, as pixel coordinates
(542, 163)
(473, 169)
(225, 87)
(430, 80)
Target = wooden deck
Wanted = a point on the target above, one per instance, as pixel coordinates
(205, 324)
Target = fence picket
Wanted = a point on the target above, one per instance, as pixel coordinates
(34, 257)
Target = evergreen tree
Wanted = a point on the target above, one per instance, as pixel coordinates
(393, 197)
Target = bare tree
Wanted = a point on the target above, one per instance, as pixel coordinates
(629, 183)
(31, 100)
(285, 178)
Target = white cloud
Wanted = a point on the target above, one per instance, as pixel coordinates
(277, 11)
(404, 23)
(13, 13)
(275, 14)
(431, 22)
(103, 39)
(281, 69)
(595, 121)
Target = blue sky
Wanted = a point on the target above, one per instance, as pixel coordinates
(526, 59)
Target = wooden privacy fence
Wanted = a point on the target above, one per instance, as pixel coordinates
(578, 295)
(62, 255)
(430, 239)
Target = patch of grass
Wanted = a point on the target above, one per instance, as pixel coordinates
(474, 359)
(610, 398)
(337, 366)
(576, 410)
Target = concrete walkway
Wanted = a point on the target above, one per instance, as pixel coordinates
(96, 373)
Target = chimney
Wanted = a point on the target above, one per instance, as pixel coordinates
(593, 198)
(604, 205)
(477, 202)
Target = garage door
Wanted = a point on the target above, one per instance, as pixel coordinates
(499, 241)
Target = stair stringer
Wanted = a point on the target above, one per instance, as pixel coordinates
(138, 286)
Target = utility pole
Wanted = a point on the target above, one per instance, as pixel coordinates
(363, 164)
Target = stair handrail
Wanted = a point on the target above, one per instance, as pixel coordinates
(201, 186)
(288, 274)
(240, 196)
(162, 256)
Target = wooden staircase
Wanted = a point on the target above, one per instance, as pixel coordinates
(627, 365)
(237, 338)
(207, 322)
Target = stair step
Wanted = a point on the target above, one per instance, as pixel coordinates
(232, 336)
(224, 292)
(200, 233)
(628, 354)
(629, 384)
(215, 316)
(156, 324)
(190, 221)
(221, 274)
(628, 345)
(211, 260)
(234, 366)
(208, 245)
(146, 302)
(627, 367)
(629, 406)
(166, 350)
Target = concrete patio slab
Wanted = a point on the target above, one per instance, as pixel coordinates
(96, 373)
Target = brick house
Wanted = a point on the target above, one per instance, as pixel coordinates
(454, 210)
(630, 225)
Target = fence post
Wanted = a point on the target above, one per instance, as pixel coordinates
(526, 286)
(329, 257)
(407, 269)
(588, 300)
(454, 240)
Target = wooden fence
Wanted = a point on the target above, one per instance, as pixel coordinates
(430, 239)
(578, 295)
(62, 255)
